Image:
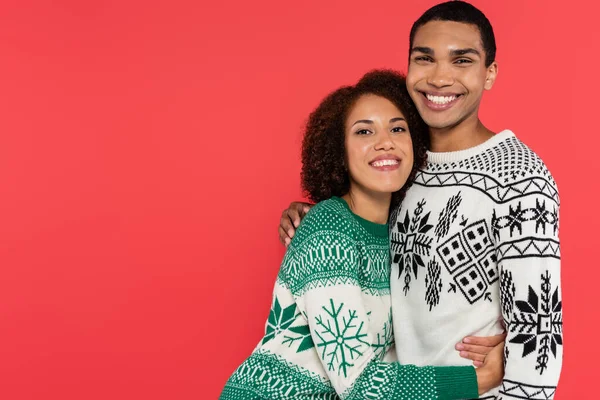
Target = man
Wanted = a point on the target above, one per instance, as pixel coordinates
(476, 237)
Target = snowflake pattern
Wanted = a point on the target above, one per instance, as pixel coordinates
(301, 335)
(279, 320)
(517, 216)
(538, 323)
(341, 340)
(385, 339)
(411, 243)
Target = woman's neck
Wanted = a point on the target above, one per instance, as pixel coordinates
(372, 207)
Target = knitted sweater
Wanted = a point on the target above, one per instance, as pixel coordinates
(329, 331)
(475, 241)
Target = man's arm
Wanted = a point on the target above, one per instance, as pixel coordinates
(527, 246)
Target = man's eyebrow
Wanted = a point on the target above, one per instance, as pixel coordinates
(462, 52)
(424, 50)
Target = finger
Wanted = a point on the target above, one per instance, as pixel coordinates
(472, 356)
(473, 348)
(478, 364)
(489, 341)
(287, 226)
(283, 237)
(294, 215)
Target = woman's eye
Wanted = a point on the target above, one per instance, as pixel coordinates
(398, 129)
(363, 132)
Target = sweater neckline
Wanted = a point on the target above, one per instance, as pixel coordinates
(451, 156)
(380, 230)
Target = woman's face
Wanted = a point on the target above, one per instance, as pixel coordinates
(379, 150)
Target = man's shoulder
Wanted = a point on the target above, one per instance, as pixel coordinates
(510, 161)
(516, 166)
(523, 157)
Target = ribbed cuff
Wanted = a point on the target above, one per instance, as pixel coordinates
(454, 383)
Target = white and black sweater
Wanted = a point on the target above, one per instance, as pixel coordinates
(475, 240)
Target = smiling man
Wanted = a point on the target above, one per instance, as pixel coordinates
(476, 238)
(475, 241)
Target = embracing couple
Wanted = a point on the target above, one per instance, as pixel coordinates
(433, 244)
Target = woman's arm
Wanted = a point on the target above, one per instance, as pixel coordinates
(325, 283)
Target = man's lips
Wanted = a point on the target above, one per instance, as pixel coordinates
(440, 100)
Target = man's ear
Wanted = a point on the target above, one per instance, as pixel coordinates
(490, 76)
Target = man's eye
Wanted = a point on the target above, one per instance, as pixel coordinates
(463, 61)
(423, 58)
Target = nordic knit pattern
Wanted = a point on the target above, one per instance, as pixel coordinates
(329, 332)
(475, 240)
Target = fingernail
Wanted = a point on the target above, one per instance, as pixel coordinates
(460, 346)
(463, 353)
(291, 233)
(296, 223)
(306, 209)
(467, 340)
(287, 241)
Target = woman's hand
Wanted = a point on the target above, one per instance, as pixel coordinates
(475, 348)
(491, 373)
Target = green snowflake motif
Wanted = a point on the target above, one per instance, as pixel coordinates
(340, 339)
(279, 320)
(302, 334)
(385, 339)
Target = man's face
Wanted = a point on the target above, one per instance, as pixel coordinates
(447, 73)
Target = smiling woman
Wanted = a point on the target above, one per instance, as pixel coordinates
(329, 331)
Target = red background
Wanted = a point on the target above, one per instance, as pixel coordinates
(147, 150)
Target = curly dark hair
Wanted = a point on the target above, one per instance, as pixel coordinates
(324, 173)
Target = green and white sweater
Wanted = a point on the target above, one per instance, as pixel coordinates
(329, 332)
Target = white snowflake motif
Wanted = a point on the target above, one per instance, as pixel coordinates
(340, 338)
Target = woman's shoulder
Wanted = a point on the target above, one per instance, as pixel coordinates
(330, 216)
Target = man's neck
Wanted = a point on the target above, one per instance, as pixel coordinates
(465, 135)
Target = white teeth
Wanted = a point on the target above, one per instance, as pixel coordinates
(382, 163)
(440, 99)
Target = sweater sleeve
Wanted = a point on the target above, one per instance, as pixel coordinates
(527, 246)
(325, 282)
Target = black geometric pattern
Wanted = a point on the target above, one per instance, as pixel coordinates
(517, 216)
(411, 243)
(529, 247)
(433, 283)
(538, 323)
(470, 258)
(510, 169)
(447, 216)
(491, 187)
(518, 390)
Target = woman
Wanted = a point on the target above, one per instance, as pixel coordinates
(329, 332)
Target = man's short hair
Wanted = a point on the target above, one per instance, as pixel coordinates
(460, 11)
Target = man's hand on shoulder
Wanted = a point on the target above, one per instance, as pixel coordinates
(290, 220)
